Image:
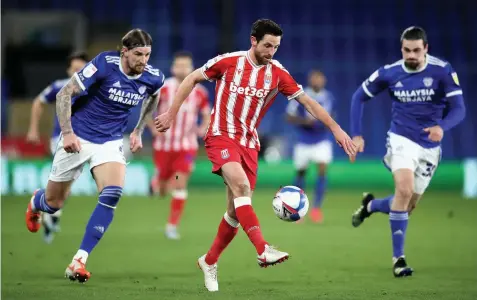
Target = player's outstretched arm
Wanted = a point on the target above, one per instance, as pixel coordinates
(164, 121)
(71, 143)
(322, 115)
(318, 111)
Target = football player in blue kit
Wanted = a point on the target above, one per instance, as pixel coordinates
(426, 102)
(314, 141)
(76, 62)
(92, 132)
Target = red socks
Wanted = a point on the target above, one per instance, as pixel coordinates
(177, 206)
(228, 228)
(249, 222)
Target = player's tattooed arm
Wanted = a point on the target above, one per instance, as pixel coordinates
(63, 104)
(148, 106)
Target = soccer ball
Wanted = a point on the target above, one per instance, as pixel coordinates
(290, 203)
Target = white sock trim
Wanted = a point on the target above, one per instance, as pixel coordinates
(81, 254)
(113, 207)
(179, 194)
(231, 221)
(242, 201)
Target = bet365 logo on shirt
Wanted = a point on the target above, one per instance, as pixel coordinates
(248, 91)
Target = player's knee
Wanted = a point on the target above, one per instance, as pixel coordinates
(110, 196)
(322, 170)
(404, 190)
(241, 190)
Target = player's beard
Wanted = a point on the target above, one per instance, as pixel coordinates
(411, 64)
(138, 69)
(261, 59)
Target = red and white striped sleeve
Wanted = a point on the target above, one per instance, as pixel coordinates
(287, 84)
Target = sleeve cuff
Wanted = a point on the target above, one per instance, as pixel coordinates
(79, 81)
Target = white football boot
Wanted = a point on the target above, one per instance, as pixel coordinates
(271, 256)
(210, 274)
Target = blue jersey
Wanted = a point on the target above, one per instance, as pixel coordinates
(419, 97)
(101, 115)
(48, 95)
(318, 132)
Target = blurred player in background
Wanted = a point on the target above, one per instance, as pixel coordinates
(175, 150)
(427, 101)
(76, 61)
(92, 132)
(314, 142)
(247, 84)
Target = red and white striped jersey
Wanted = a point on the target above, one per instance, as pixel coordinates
(244, 92)
(183, 133)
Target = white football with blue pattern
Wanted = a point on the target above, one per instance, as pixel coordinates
(290, 203)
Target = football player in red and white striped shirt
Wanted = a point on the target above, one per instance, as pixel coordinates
(175, 150)
(247, 83)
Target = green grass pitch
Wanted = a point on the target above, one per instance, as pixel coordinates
(330, 261)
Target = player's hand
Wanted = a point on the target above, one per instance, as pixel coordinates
(359, 142)
(163, 122)
(435, 133)
(135, 141)
(33, 136)
(345, 142)
(71, 143)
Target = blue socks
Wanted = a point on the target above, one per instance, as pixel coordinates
(320, 187)
(101, 217)
(39, 203)
(381, 205)
(398, 221)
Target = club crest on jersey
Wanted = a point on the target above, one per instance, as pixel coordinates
(427, 81)
(268, 78)
(225, 153)
(142, 89)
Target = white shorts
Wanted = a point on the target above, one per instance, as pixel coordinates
(68, 166)
(402, 153)
(321, 152)
(53, 143)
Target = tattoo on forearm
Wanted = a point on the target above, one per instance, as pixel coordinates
(148, 106)
(63, 104)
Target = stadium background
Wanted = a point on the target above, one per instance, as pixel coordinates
(347, 40)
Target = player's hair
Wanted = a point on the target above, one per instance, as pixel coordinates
(414, 33)
(262, 27)
(77, 55)
(136, 38)
(315, 71)
(183, 54)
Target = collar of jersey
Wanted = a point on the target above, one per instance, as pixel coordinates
(251, 61)
(129, 77)
(414, 71)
